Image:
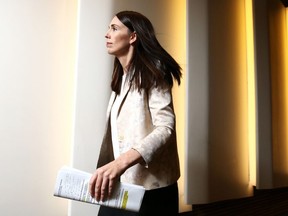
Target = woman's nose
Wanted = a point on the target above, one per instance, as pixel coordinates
(107, 36)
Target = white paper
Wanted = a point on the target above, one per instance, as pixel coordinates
(74, 184)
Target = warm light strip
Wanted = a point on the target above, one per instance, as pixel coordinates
(251, 91)
(286, 81)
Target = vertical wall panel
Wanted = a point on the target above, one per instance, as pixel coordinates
(197, 103)
(264, 127)
(279, 70)
(94, 68)
(37, 60)
(217, 137)
(228, 143)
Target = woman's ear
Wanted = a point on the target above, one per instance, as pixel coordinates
(133, 37)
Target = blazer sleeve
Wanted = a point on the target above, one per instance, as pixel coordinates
(160, 105)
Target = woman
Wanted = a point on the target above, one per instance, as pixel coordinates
(139, 145)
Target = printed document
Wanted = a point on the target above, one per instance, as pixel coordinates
(74, 184)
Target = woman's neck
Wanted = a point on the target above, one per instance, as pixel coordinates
(125, 60)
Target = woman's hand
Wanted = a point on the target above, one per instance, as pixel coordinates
(103, 180)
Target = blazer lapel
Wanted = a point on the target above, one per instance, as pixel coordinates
(123, 96)
(111, 102)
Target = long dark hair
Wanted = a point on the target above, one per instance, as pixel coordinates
(151, 64)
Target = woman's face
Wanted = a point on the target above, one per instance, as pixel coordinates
(118, 38)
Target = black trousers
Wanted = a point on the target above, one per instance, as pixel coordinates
(157, 202)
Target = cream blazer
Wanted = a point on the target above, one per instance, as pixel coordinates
(146, 123)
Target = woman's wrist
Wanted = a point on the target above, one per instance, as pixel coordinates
(129, 158)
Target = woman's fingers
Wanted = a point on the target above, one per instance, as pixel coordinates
(95, 185)
(103, 189)
(98, 188)
(103, 181)
(110, 188)
(92, 184)
(107, 187)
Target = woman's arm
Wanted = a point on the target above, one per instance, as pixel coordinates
(163, 119)
(104, 178)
